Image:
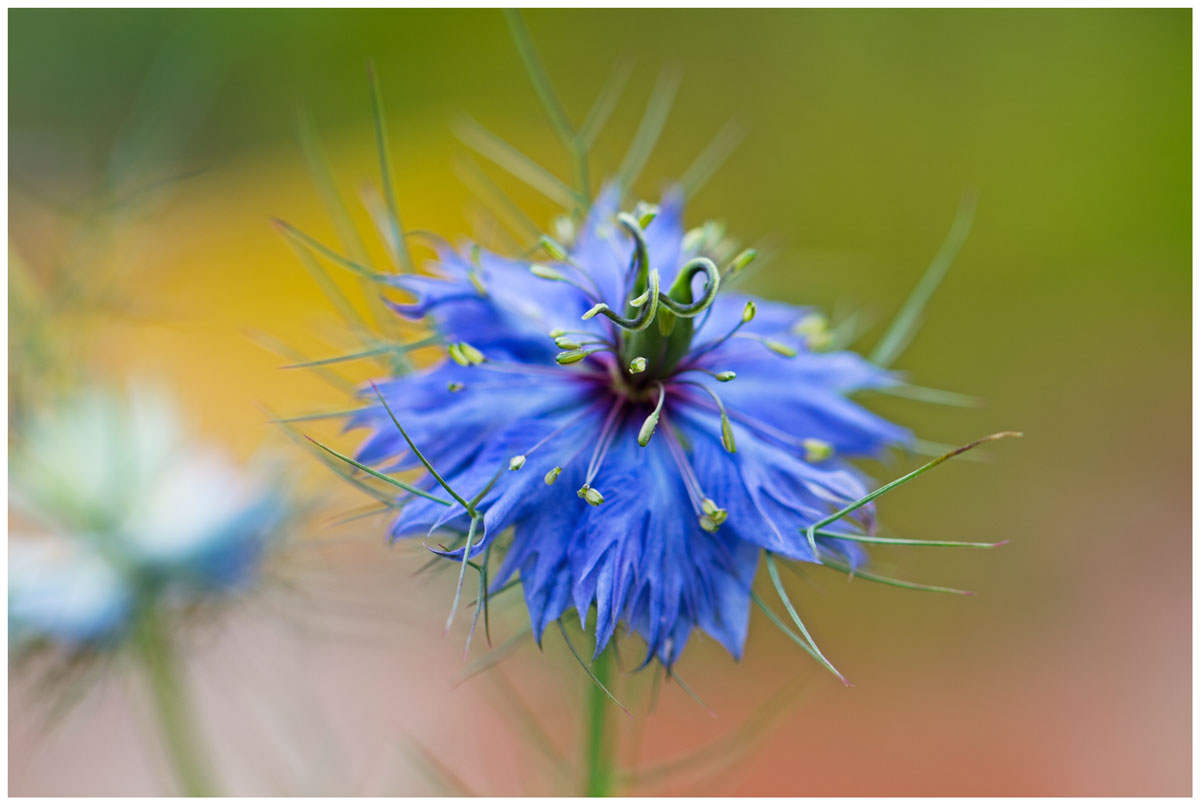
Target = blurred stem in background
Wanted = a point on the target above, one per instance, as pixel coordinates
(598, 760)
(170, 705)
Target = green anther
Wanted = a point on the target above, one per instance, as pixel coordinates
(476, 251)
(591, 495)
(637, 365)
(456, 354)
(816, 450)
(562, 342)
(645, 213)
(600, 308)
(454, 385)
(470, 353)
(640, 300)
(546, 272)
(516, 462)
(742, 260)
(725, 377)
(779, 348)
(727, 434)
(571, 356)
(553, 248)
(811, 324)
(819, 342)
(714, 516)
(473, 276)
(556, 333)
(749, 312)
(552, 476)
(647, 431)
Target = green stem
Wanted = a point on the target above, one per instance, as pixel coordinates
(182, 742)
(598, 759)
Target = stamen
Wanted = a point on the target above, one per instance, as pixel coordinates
(778, 347)
(637, 365)
(741, 261)
(477, 281)
(537, 371)
(748, 314)
(576, 355)
(516, 462)
(815, 329)
(816, 450)
(606, 436)
(570, 422)
(720, 377)
(546, 272)
(465, 355)
(726, 427)
(592, 496)
(553, 248)
(552, 476)
(647, 431)
(700, 502)
(554, 275)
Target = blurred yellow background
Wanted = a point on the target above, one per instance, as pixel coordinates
(1068, 311)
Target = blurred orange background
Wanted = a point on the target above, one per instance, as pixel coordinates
(1068, 311)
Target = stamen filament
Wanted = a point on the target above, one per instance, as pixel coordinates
(606, 436)
(690, 482)
(727, 440)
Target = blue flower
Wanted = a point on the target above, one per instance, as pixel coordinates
(645, 434)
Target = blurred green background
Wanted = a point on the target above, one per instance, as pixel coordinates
(1068, 311)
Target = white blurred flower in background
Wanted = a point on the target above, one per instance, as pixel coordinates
(123, 511)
